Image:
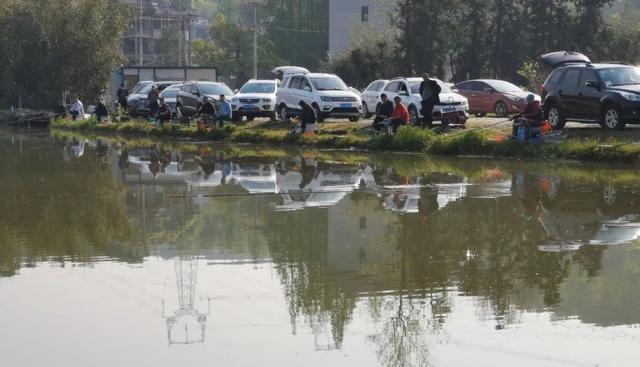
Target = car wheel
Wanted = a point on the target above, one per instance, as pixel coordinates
(611, 118)
(609, 195)
(481, 114)
(282, 112)
(319, 114)
(556, 117)
(365, 110)
(501, 109)
(273, 116)
(414, 118)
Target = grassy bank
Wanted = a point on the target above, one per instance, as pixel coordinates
(474, 142)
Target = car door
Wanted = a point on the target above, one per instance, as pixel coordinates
(588, 100)
(404, 92)
(484, 96)
(568, 93)
(292, 92)
(306, 91)
(369, 95)
(183, 95)
(391, 90)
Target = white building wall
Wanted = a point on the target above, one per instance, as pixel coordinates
(346, 19)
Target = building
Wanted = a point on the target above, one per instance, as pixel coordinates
(349, 17)
(162, 34)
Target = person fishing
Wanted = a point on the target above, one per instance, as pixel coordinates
(207, 110)
(77, 109)
(123, 94)
(307, 116)
(530, 117)
(61, 109)
(400, 115)
(164, 113)
(102, 113)
(384, 111)
(430, 93)
(153, 96)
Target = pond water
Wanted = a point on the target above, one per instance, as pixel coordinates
(134, 253)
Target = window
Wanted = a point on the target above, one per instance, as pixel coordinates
(296, 82)
(379, 86)
(393, 87)
(372, 87)
(478, 86)
(329, 83)
(215, 89)
(305, 84)
(186, 87)
(587, 75)
(464, 86)
(620, 76)
(555, 77)
(571, 78)
(260, 88)
(194, 89)
(364, 15)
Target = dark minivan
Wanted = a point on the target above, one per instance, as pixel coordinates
(578, 90)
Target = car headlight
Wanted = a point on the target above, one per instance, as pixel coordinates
(630, 96)
(266, 100)
(234, 100)
(326, 99)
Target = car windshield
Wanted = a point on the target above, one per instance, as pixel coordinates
(260, 88)
(620, 76)
(504, 87)
(138, 87)
(169, 93)
(215, 89)
(415, 86)
(145, 89)
(329, 83)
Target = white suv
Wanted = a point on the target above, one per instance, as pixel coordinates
(409, 90)
(371, 97)
(257, 98)
(326, 93)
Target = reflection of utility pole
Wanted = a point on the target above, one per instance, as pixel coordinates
(186, 268)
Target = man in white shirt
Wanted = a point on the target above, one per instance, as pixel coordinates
(77, 109)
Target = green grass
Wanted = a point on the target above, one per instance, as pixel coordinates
(474, 142)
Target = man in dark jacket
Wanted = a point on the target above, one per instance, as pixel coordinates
(164, 113)
(307, 116)
(383, 112)
(430, 93)
(123, 93)
(153, 97)
(207, 111)
(102, 113)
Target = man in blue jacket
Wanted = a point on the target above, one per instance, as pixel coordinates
(224, 111)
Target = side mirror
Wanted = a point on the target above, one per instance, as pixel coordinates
(307, 89)
(592, 84)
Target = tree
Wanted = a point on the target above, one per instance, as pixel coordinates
(49, 47)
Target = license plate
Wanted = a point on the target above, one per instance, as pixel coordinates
(448, 109)
(249, 107)
(345, 105)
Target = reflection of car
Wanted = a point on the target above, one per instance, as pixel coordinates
(191, 96)
(581, 91)
(137, 100)
(170, 95)
(257, 98)
(326, 93)
(408, 89)
(254, 178)
(371, 97)
(493, 96)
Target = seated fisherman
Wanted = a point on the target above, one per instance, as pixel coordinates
(384, 111)
(530, 117)
(400, 115)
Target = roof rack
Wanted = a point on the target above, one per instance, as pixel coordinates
(614, 62)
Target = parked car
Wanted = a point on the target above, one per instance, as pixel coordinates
(257, 98)
(493, 96)
(409, 90)
(191, 95)
(326, 93)
(137, 100)
(170, 96)
(581, 91)
(371, 97)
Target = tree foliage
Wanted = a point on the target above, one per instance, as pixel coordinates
(458, 40)
(48, 47)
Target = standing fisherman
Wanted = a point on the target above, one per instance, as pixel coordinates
(153, 97)
(430, 93)
(123, 94)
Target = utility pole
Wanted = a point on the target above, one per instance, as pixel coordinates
(255, 40)
(140, 39)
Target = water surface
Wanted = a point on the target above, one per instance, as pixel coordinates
(134, 253)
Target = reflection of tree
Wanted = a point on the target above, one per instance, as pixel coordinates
(60, 210)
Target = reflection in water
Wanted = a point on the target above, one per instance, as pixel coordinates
(186, 318)
(382, 250)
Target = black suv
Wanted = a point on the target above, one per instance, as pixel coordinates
(191, 95)
(578, 90)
